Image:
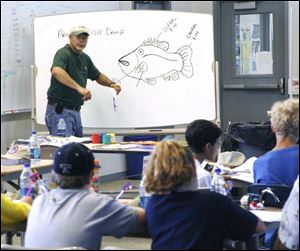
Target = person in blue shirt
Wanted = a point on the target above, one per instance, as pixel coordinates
(281, 164)
(189, 219)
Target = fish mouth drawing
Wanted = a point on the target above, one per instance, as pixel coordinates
(124, 62)
(152, 60)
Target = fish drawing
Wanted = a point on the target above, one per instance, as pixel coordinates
(152, 60)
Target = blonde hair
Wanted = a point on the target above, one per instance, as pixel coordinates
(285, 117)
(170, 166)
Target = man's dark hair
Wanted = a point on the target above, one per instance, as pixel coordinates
(200, 132)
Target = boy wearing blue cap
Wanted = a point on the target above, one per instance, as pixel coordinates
(72, 214)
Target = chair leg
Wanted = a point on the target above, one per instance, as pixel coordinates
(9, 237)
(22, 238)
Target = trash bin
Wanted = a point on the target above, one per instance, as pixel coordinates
(134, 161)
(250, 138)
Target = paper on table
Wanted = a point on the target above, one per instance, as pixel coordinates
(247, 166)
(60, 141)
(111, 146)
(267, 216)
(247, 177)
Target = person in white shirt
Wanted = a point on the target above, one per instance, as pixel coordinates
(204, 139)
(288, 234)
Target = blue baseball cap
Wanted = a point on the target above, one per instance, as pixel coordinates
(73, 159)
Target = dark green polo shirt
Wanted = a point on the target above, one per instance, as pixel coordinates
(80, 67)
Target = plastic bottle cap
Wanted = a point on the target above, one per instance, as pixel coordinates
(218, 171)
(26, 164)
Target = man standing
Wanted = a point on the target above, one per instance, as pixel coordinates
(70, 70)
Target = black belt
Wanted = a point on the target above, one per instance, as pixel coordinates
(73, 108)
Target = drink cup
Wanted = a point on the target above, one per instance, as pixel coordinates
(96, 139)
(107, 139)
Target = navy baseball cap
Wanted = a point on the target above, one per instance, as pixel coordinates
(73, 159)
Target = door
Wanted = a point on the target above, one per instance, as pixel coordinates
(252, 55)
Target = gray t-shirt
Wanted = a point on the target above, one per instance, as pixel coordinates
(76, 217)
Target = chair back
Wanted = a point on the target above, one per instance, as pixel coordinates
(272, 195)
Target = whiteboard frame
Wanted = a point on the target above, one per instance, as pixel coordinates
(216, 90)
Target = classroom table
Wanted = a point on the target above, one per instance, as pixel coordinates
(271, 223)
(13, 172)
(120, 148)
(48, 151)
(45, 165)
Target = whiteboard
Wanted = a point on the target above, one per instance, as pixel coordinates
(17, 52)
(162, 59)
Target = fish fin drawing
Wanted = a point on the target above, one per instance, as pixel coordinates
(161, 44)
(142, 67)
(187, 68)
(150, 81)
(172, 75)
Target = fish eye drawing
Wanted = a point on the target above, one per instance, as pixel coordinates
(152, 60)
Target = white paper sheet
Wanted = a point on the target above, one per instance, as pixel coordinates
(267, 216)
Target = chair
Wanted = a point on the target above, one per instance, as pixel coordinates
(13, 247)
(9, 230)
(272, 195)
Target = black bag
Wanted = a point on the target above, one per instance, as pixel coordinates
(251, 133)
(272, 195)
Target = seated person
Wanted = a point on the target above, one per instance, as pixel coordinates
(74, 215)
(281, 164)
(203, 138)
(288, 234)
(13, 212)
(189, 219)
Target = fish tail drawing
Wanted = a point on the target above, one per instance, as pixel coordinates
(187, 68)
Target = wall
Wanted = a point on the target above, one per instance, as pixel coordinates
(19, 126)
(16, 126)
(17, 55)
(294, 5)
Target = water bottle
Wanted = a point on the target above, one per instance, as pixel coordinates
(95, 180)
(35, 149)
(61, 127)
(144, 196)
(218, 182)
(25, 181)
